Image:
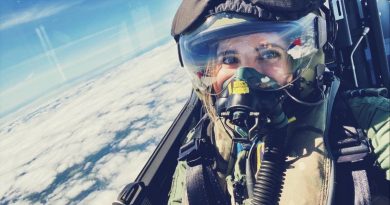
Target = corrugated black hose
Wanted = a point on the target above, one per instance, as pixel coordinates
(270, 177)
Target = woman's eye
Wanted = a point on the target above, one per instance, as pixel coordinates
(269, 54)
(229, 60)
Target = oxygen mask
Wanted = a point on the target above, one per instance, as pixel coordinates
(249, 108)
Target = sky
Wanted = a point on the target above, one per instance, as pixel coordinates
(48, 44)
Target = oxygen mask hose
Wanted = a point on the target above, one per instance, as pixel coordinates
(270, 177)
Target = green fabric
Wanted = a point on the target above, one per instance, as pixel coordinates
(307, 177)
(178, 188)
(373, 115)
(178, 184)
(239, 167)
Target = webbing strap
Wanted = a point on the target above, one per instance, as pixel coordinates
(361, 187)
(362, 194)
(196, 186)
(202, 183)
(203, 186)
(332, 94)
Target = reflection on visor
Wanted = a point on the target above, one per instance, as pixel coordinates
(213, 53)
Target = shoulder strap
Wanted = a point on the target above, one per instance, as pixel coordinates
(332, 94)
(351, 149)
(201, 179)
(361, 187)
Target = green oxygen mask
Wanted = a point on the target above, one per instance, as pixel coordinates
(245, 105)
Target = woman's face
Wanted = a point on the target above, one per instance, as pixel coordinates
(265, 52)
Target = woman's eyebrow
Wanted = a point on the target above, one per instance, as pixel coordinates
(227, 52)
(268, 45)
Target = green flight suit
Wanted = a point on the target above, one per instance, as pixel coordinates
(308, 176)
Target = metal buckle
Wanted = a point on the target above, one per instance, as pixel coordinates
(354, 148)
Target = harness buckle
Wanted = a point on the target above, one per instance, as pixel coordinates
(195, 152)
(353, 148)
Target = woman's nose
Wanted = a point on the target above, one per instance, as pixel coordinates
(250, 61)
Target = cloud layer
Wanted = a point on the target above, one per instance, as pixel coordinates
(82, 147)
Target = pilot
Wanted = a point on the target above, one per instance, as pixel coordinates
(268, 98)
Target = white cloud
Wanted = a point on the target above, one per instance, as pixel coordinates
(34, 13)
(78, 147)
